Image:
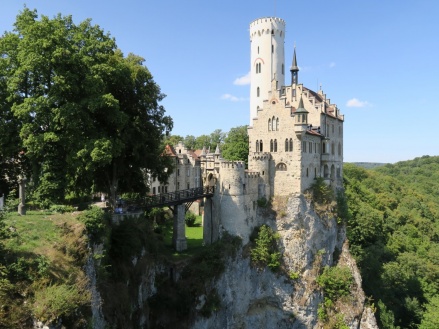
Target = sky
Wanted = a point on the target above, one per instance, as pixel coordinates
(377, 60)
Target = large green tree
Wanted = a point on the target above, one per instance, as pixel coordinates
(88, 117)
(236, 144)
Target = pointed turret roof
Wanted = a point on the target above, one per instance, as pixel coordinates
(294, 67)
(217, 150)
(301, 108)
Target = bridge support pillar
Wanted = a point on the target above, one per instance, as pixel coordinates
(207, 222)
(179, 232)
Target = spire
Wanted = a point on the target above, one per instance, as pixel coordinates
(294, 69)
(301, 108)
(217, 150)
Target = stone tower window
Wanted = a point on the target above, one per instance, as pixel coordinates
(281, 167)
(304, 147)
(257, 92)
(271, 145)
(260, 146)
(275, 145)
(269, 124)
(277, 124)
(286, 145)
(257, 146)
(339, 149)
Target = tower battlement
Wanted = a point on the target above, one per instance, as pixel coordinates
(232, 164)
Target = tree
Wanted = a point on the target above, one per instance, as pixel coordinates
(89, 117)
(236, 144)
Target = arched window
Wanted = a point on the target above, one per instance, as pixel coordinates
(273, 124)
(304, 147)
(332, 149)
(260, 146)
(307, 172)
(339, 149)
(281, 167)
(257, 92)
(269, 124)
(257, 146)
(275, 145)
(286, 145)
(291, 145)
(277, 124)
(260, 68)
(271, 145)
(315, 172)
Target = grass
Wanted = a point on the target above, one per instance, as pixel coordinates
(194, 236)
(37, 231)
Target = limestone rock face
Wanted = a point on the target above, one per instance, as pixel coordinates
(258, 298)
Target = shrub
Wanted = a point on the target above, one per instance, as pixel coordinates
(59, 300)
(265, 252)
(262, 202)
(335, 281)
(321, 192)
(190, 219)
(294, 275)
(61, 208)
(95, 221)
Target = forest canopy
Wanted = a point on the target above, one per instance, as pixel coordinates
(393, 231)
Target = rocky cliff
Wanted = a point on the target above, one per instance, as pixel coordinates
(259, 298)
(247, 296)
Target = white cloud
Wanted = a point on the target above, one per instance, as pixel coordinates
(242, 81)
(232, 98)
(331, 65)
(355, 102)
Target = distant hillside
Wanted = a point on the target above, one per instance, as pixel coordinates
(368, 165)
(393, 231)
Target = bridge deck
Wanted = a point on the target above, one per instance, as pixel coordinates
(178, 197)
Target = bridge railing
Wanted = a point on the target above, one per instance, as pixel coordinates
(177, 196)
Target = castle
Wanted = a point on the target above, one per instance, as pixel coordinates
(295, 135)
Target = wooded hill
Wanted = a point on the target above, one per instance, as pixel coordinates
(393, 231)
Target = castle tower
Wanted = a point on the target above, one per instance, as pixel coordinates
(267, 59)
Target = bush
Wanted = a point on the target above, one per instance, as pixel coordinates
(95, 221)
(61, 209)
(190, 219)
(321, 192)
(265, 252)
(262, 202)
(335, 281)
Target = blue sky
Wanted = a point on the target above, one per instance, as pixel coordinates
(377, 60)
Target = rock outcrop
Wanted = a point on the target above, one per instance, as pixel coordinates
(259, 298)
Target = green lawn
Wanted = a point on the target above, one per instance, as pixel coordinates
(194, 237)
(37, 231)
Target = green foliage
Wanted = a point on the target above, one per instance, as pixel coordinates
(265, 250)
(294, 275)
(321, 192)
(77, 112)
(177, 300)
(430, 319)
(262, 202)
(95, 220)
(190, 219)
(61, 208)
(335, 282)
(59, 300)
(393, 234)
(236, 144)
